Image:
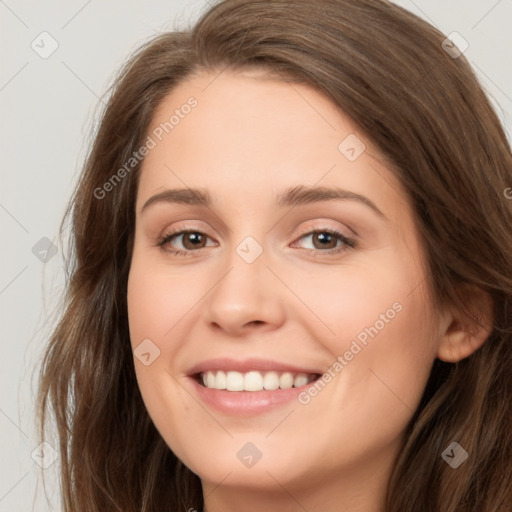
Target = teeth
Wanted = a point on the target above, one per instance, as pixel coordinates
(234, 381)
(254, 381)
(220, 380)
(301, 380)
(286, 381)
(271, 381)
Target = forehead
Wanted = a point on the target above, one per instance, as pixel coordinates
(245, 111)
(247, 132)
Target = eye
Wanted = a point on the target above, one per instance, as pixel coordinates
(325, 241)
(191, 241)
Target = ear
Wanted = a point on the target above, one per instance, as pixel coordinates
(468, 327)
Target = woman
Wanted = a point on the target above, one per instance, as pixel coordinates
(216, 352)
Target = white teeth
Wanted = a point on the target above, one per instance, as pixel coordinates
(300, 380)
(271, 381)
(234, 381)
(286, 381)
(254, 380)
(220, 380)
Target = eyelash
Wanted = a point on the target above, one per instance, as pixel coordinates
(348, 243)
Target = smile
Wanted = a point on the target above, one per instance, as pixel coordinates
(248, 387)
(254, 380)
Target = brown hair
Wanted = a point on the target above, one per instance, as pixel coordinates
(426, 112)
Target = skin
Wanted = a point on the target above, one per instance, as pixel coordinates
(249, 138)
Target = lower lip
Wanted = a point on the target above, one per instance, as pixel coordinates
(246, 403)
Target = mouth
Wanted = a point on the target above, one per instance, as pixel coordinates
(253, 380)
(249, 387)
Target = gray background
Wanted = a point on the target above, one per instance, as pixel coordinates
(48, 109)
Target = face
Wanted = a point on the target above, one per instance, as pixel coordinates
(305, 312)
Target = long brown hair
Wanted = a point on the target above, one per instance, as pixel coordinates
(426, 112)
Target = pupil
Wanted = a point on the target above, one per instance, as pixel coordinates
(324, 237)
(194, 238)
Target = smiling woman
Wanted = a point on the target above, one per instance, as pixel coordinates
(300, 298)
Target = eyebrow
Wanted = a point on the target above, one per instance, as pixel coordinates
(295, 196)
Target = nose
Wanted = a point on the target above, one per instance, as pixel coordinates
(248, 296)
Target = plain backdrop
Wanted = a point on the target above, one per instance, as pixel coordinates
(48, 104)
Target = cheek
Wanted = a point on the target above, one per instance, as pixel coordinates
(360, 300)
(156, 303)
(379, 369)
(161, 300)
(379, 330)
(387, 348)
(158, 299)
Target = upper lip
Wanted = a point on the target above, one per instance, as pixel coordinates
(246, 365)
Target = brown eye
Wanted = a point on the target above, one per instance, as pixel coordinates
(193, 240)
(324, 239)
